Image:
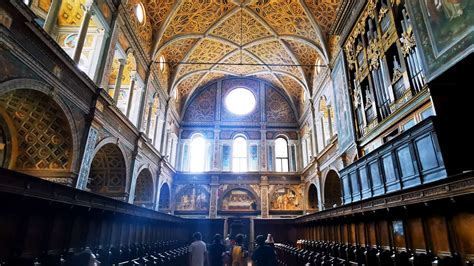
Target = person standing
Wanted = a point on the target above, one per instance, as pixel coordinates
(197, 251)
(228, 243)
(264, 255)
(238, 253)
(216, 251)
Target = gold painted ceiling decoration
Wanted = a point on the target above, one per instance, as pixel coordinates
(202, 40)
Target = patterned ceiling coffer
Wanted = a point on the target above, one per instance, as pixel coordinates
(285, 17)
(70, 13)
(251, 29)
(240, 69)
(145, 31)
(185, 87)
(296, 90)
(277, 108)
(325, 12)
(270, 79)
(208, 51)
(42, 131)
(158, 11)
(306, 56)
(163, 75)
(196, 16)
(108, 171)
(175, 52)
(210, 77)
(274, 53)
(202, 107)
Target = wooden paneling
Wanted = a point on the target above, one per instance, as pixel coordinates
(416, 234)
(438, 232)
(463, 225)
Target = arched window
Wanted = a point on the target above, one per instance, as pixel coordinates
(198, 149)
(239, 155)
(281, 155)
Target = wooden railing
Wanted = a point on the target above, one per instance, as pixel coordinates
(410, 159)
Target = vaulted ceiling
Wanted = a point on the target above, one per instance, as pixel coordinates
(267, 39)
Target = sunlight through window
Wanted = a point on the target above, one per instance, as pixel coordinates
(140, 12)
(281, 155)
(198, 150)
(239, 155)
(240, 101)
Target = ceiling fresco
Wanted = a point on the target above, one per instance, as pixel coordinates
(276, 40)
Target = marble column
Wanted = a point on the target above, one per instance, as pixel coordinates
(216, 154)
(81, 38)
(118, 81)
(264, 196)
(213, 199)
(164, 129)
(263, 150)
(148, 119)
(313, 129)
(131, 93)
(252, 235)
(52, 16)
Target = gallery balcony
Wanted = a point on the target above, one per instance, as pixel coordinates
(412, 158)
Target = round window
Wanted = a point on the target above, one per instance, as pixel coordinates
(240, 101)
(140, 12)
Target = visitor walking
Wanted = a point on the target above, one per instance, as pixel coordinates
(216, 251)
(238, 253)
(264, 255)
(197, 251)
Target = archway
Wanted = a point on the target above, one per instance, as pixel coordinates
(108, 172)
(332, 190)
(35, 135)
(144, 190)
(313, 203)
(164, 202)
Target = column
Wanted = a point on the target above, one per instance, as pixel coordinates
(213, 199)
(252, 235)
(163, 132)
(216, 154)
(52, 16)
(264, 196)
(83, 31)
(105, 64)
(226, 230)
(142, 101)
(313, 126)
(133, 79)
(148, 119)
(263, 150)
(118, 81)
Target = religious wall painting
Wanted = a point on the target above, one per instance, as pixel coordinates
(193, 198)
(286, 199)
(398, 233)
(238, 200)
(444, 29)
(343, 113)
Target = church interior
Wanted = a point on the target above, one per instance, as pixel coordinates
(337, 126)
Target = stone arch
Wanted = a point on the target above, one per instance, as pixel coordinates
(313, 202)
(144, 189)
(37, 131)
(164, 202)
(108, 174)
(332, 190)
